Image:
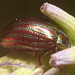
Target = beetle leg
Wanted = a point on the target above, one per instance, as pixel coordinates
(32, 52)
(39, 58)
(60, 67)
(12, 51)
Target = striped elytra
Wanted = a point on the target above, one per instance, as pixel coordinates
(30, 33)
(33, 33)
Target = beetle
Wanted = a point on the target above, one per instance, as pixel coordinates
(33, 34)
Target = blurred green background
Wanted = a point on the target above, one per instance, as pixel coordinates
(12, 9)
